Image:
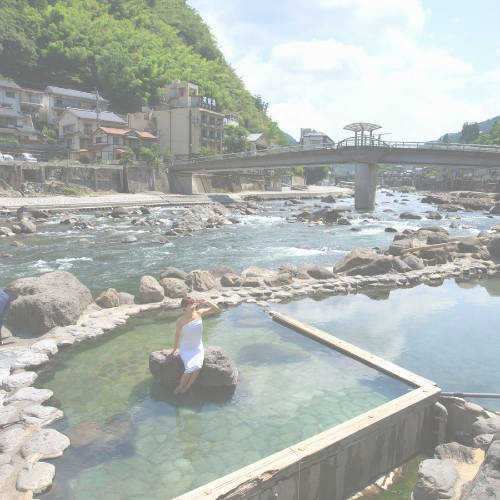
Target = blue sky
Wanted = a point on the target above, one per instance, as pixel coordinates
(417, 67)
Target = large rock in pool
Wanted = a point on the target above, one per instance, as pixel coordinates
(217, 374)
(42, 303)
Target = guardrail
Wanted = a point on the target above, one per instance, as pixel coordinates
(349, 143)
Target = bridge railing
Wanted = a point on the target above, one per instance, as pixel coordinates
(350, 142)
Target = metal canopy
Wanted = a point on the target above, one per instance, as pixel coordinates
(362, 127)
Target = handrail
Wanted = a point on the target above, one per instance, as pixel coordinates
(349, 143)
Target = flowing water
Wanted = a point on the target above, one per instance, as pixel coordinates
(290, 388)
(265, 240)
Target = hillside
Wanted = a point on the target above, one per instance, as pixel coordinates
(126, 48)
(484, 128)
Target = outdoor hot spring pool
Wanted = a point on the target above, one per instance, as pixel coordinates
(131, 440)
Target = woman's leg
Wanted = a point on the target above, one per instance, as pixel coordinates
(192, 378)
(182, 383)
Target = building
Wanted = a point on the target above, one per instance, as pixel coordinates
(231, 119)
(312, 139)
(77, 126)
(257, 142)
(185, 121)
(9, 95)
(58, 99)
(17, 126)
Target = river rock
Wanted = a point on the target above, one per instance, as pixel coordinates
(490, 425)
(494, 247)
(356, 258)
(9, 414)
(45, 346)
(469, 245)
(173, 272)
(434, 215)
(5, 231)
(174, 287)
(486, 484)
(41, 415)
(409, 215)
(27, 227)
(119, 212)
(252, 281)
(18, 380)
(12, 438)
(220, 270)
(41, 303)
(328, 199)
(30, 394)
(279, 279)
(125, 298)
(454, 451)
(200, 280)
(150, 290)
(108, 299)
(483, 441)
(390, 230)
(129, 238)
(36, 477)
(436, 480)
(6, 471)
(317, 272)
(495, 209)
(29, 359)
(48, 442)
(218, 371)
(381, 265)
(231, 280)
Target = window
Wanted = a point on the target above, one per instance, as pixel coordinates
(99, 139)
(87, 129)
(117, 141)
(10, 94)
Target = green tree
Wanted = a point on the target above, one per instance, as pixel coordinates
(470, 132)
(127, 157)
(314, 175)
(234, 139)
(492, 137)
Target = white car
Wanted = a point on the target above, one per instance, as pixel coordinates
(6, 157)
(28, 157)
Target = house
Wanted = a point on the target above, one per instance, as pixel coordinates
(231, 119)
(109, 143)
(186, 121)
(312, 139)
(59, 99)
(9, 95)
(33, 102)
(257, 142)
(17, 126)
(77, 126)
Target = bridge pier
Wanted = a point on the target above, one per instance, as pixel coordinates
(366, 186)
(186, 183)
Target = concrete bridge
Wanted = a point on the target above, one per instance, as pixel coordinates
(366, 155)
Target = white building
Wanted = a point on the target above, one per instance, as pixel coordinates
(312, 139)
(9, 95)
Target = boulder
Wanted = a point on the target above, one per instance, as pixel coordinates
(231, 280)
(36, 477)
(356, 258)
(108, 299)
(490, 425)
(279, 279)
(150, 290)
(455, 451)
(494, 247)
(174, 287)
(173, 272)
(5, 231)
(414, 262)
(42, 303)
(254, 271)
(409, 215)
(328, 199)
(469, 245)
(436, 479)
(220, 270)
(252, 281)
(486, 483)
(18, 380)
(125, 298)
(49, 443)
(129, 238)
(381, 265)
(400, 265)
(27, 227)
(434, 215)
(119, 212)
(390, 230)
(318, 272)
(495, 209)
(218, 371)
(200, 280)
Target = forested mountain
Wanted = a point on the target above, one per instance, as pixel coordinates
(471, 132)
(126, 48)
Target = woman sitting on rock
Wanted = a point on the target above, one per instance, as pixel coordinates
(192, 353)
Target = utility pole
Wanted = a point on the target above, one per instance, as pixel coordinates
(97, 109)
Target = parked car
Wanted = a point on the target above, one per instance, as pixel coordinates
(28, 157)
(6, 157)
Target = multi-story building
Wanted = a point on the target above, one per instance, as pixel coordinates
(9, 95)
(77, 126)
(185, 121)
(312, 139)
(231, 119)
(15, 125)
(33, 102)
(58, 99)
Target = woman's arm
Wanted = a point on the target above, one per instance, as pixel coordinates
(208, 310)
(177, 337)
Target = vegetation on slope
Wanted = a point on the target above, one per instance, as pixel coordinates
(128, 49)
(471, 131)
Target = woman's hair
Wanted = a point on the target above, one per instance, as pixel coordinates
(187, 301)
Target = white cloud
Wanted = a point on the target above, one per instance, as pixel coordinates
(331, 62)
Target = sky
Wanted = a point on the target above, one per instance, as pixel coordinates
(418, 68)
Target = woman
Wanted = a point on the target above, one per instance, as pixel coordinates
(192, 353)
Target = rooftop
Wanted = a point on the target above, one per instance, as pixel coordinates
(73, 93)
(114, 131)
(254, 137)
(145, 135)
(362, 127)
(105, 116)
(9, 85)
